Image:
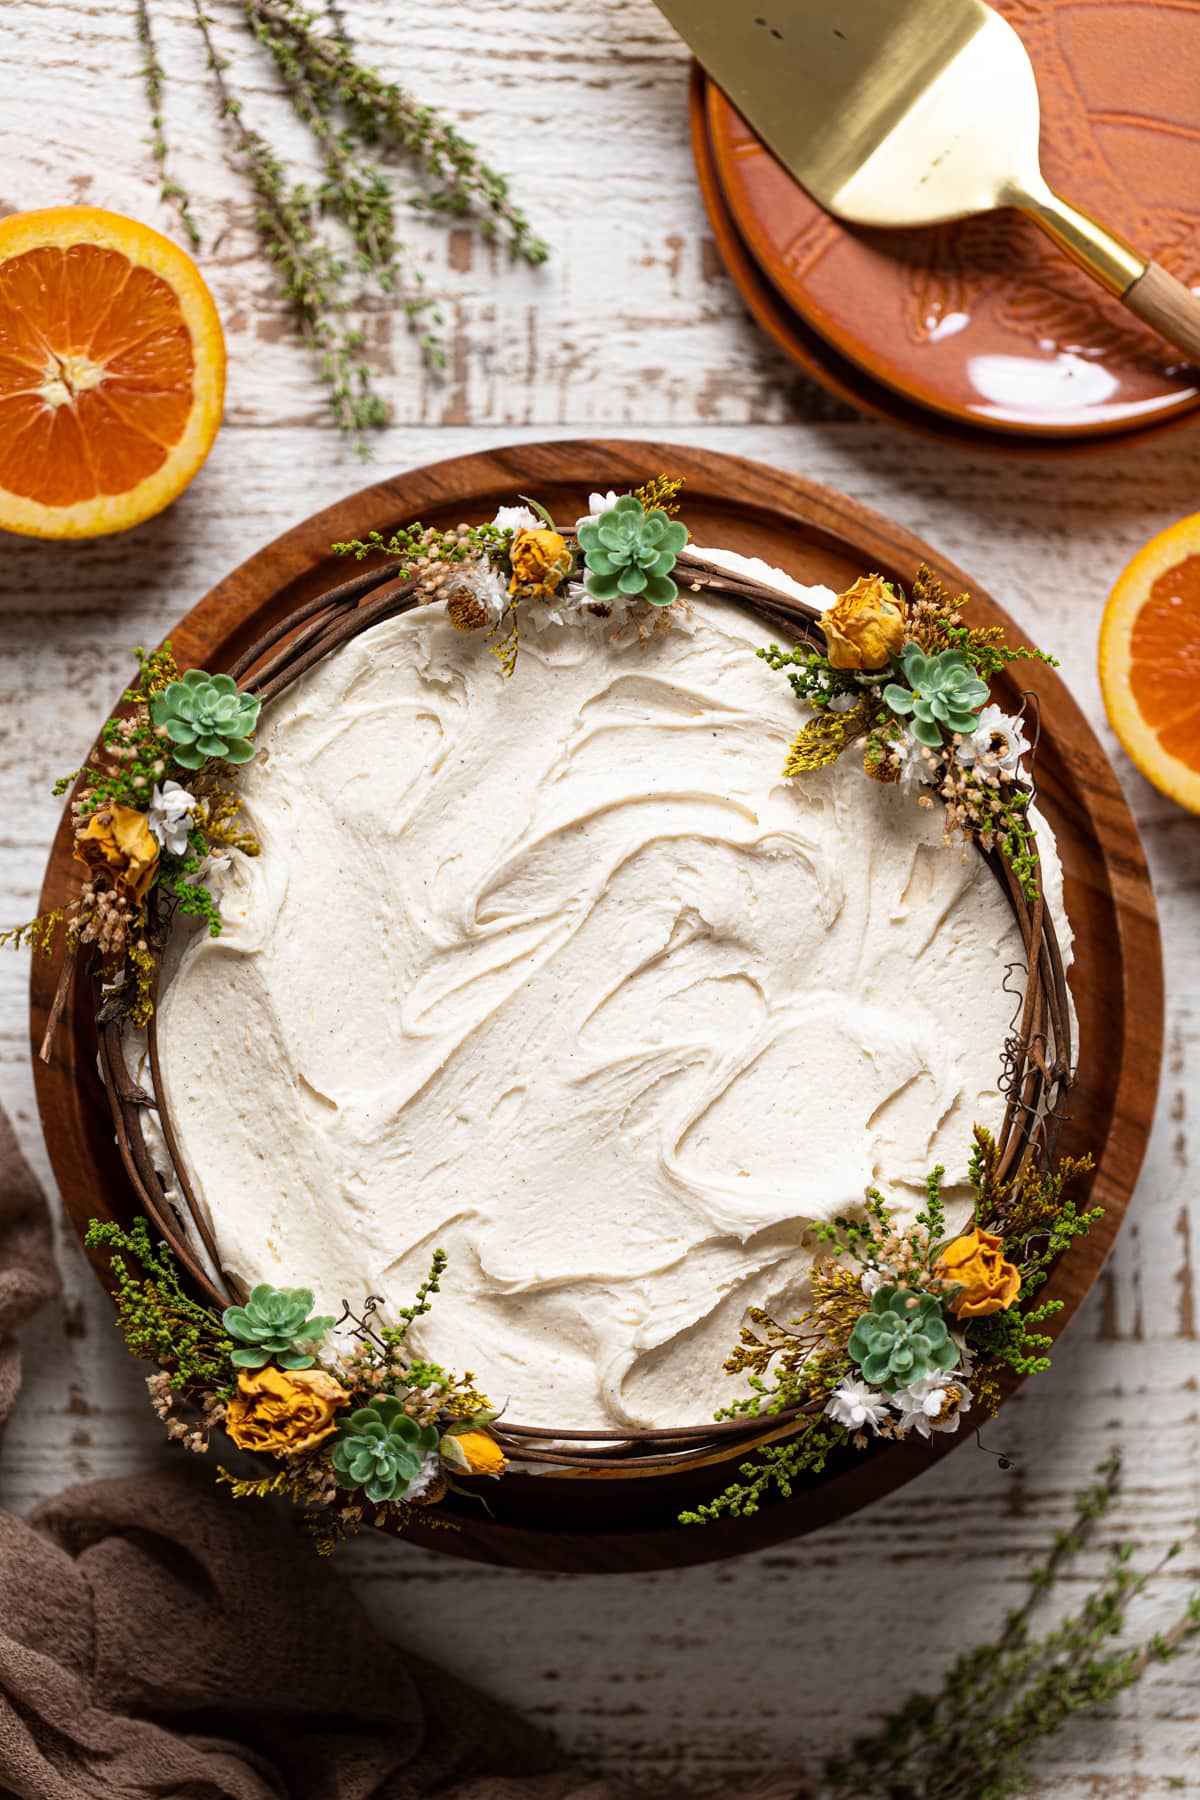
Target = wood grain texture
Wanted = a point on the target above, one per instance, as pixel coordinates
(588, 1522)
(1161, 301)
(632, 328)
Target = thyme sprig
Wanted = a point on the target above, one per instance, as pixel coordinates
(776, 1468)
(353, 115)
(382, 110)
(353, 191)
(972, 1740)
(312, 272)
(154, 77)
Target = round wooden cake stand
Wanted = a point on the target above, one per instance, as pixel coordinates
(625, 1521)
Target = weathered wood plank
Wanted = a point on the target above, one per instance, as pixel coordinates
(631, 328)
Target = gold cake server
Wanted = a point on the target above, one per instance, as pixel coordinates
(912, 112)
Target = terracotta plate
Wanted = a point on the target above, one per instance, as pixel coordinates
(814, 355)
(983, 321)
(586, 1522)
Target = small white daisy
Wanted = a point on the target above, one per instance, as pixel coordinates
(935, 1403)
(855, 1404)
(169, 817)
(997, 744)
(516, 518)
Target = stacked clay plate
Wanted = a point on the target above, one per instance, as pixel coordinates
(980, 331)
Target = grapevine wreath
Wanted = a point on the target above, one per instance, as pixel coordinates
(907, 1329)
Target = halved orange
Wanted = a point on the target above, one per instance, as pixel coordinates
(1150, 661)
(112, 372)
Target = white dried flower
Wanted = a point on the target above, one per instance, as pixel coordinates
(573, 605)
(426, 1477)
(169, 817)
(872, 1280)
(483, 583)
(997, 744)
(597, 504)
(516, 518)
(212, 872)
(935, 1403)
(855, 1404)
(914, 766)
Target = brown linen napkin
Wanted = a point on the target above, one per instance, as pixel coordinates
(161, 1641)
(158, 1639)
(28, 1276)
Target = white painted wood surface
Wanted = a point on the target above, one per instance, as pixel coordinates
(779, 1657)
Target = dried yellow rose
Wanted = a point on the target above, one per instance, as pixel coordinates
(117, 842)
(987, 1281)
(865, 626)
(283, 1412)
(475, 1452)
(540, 561)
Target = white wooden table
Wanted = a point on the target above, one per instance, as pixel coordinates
(632, 328)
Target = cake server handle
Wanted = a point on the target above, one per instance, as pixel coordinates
(1146, 288)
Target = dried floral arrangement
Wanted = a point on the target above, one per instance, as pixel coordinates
(903, 676)
(155, 812)
(360, 1433)
(909, 1327)
(355, 117)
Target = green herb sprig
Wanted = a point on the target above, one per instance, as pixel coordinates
(382, 1362)
(416, 543)
(160, 1321)
(775, 1469)
(353, 116)
(170, 190)
(973, 1739)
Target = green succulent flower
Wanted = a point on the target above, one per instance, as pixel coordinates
(380, 1449)
(630, 552)
(903, 1337)
(943, 692)
(206, 715)
(274, 1323)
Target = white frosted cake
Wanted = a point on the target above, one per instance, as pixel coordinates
(561, 974)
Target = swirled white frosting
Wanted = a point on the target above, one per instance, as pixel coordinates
(560, 974)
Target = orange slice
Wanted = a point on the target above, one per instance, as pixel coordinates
(112, 372)
(1150, 661)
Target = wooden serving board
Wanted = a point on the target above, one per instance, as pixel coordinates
(585, 1523)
